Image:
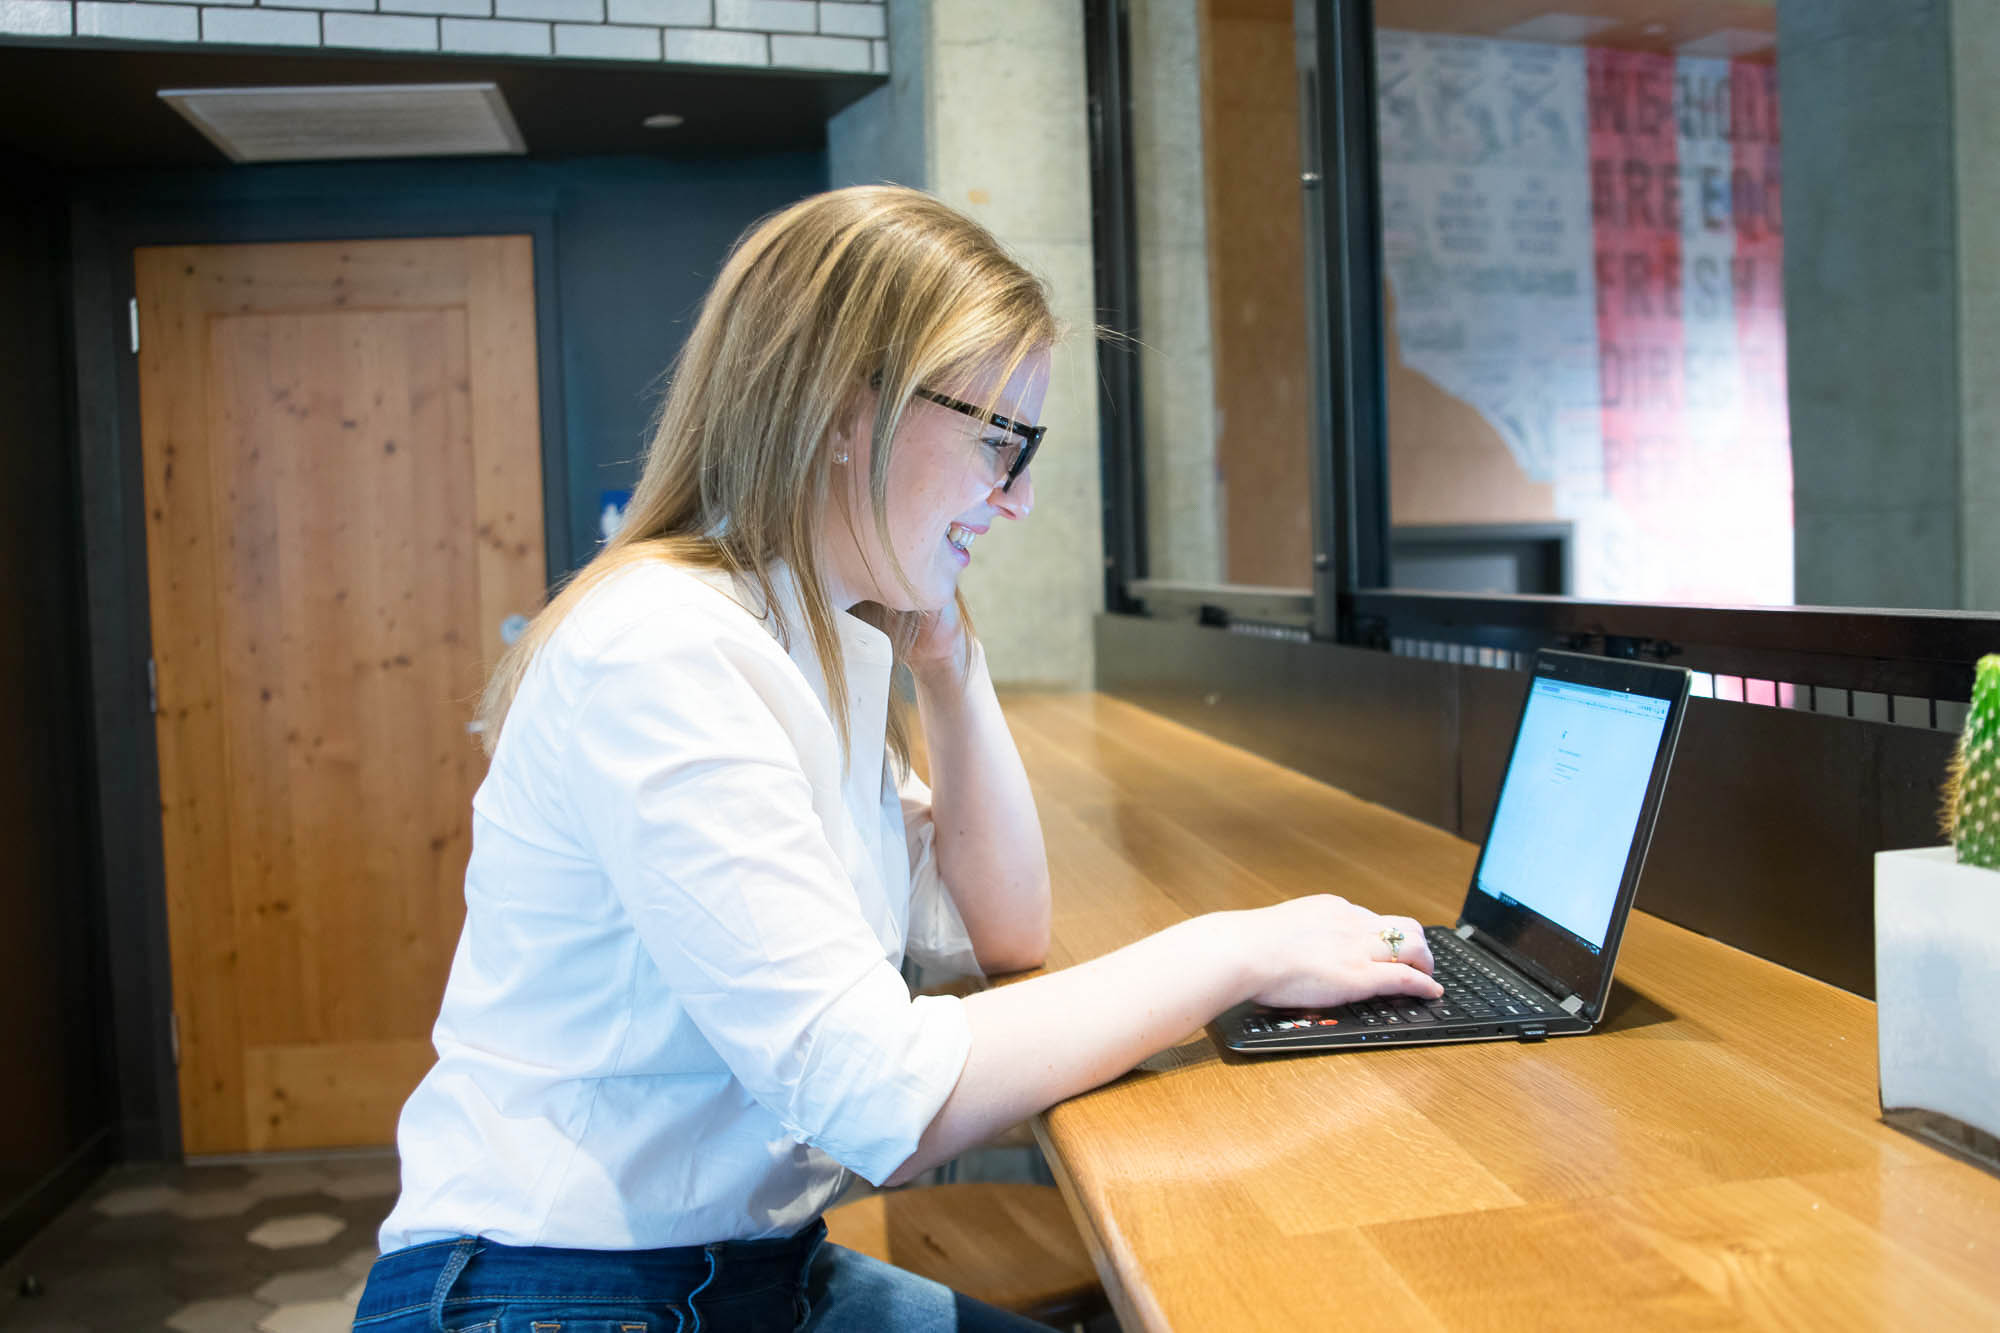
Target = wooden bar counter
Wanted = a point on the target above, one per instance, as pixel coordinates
(1711, 1159)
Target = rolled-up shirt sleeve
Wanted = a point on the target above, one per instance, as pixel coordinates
(693, 795)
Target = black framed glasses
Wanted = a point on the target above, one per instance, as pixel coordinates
(1031, 436)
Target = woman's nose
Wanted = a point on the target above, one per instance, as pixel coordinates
(1019, 499)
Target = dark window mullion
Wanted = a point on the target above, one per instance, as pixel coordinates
(1115, 248)
(1351, 511)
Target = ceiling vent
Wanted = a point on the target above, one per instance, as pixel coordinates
(315, 124)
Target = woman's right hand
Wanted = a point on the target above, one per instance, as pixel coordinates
(1117, 1009)
(1317, 952)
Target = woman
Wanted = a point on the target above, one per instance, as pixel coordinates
(675, 1022)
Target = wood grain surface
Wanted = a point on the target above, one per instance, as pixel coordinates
(343, 487)
(1005, 1243)
(1711, 1158)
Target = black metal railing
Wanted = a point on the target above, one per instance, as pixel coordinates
(1925, 655)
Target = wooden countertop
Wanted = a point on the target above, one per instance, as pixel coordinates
(1712, 1158)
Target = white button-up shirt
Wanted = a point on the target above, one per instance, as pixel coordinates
(676, 1013)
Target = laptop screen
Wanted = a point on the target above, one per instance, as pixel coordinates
(1571, 800)
(1574, 817)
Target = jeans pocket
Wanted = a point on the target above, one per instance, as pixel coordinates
(770, 1309)
(472, 1317)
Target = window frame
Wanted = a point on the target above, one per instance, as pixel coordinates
(1887, 652)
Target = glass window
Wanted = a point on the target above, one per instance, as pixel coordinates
(1585, 329)
(1224, 375)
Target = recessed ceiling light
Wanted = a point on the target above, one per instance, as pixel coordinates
(350, 121)
(663, 120)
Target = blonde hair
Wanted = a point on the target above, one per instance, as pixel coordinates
(874, 286)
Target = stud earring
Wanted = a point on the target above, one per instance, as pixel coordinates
(840, 457)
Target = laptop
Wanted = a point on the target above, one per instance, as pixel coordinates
(1531, 954)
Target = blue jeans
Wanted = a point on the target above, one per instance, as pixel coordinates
(798, 1284)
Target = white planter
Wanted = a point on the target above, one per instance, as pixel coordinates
(1937, 968)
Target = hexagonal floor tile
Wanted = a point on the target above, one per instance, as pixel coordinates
(373, 1185)
(287, 1233)
(238, 1314)
(215, 1203)
(120, 1273)
(358, 1162)
(225, 1267)
(358, 1263)
(312, 1317)
(138, 1199)
(312, 1284)
(277, 1182)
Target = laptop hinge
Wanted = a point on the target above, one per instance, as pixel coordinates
(1541, 976)
(1573, 1005)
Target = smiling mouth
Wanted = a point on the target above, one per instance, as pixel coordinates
(960, 536)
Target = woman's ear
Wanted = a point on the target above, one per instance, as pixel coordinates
(855, 423)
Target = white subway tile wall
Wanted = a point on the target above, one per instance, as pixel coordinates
(496, 37)
(844, 36)
(706, 46)
(381, 32)
(565, 11)
(841, 53)
(260, 27)
(35, 18)
(464, 9)
(138, 23)
(852, 20)
(607, 41)
(768, 15)
(664, 13)
(320, 4)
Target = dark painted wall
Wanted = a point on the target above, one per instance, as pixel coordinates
(639, 247)
(57, 1106)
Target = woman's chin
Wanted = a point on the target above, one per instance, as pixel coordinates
(924, 603)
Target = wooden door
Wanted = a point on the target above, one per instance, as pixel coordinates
(343, 504)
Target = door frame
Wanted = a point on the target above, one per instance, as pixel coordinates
(106, 226)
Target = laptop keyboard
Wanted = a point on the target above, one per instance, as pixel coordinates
(1475, 991)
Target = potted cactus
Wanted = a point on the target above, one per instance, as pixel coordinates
(1937, 955)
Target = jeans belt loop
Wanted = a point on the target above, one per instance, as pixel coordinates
(454, 1264)
(710, 1252)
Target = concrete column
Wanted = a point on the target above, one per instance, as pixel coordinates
(989, 102)
(1892, 298)
(886, 135)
